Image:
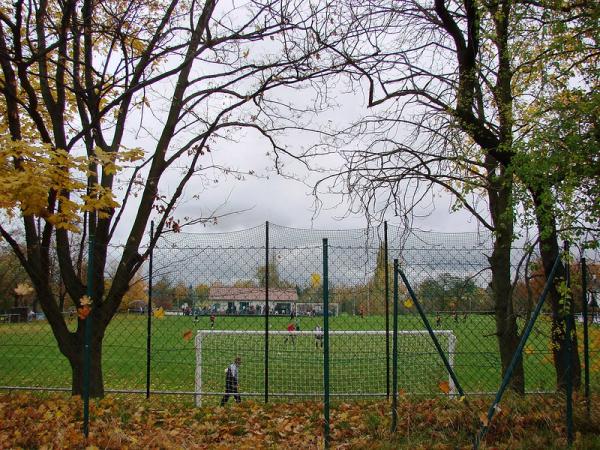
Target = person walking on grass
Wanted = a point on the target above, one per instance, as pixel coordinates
(231, 381)
(318, 337)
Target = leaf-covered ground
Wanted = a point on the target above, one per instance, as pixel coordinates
(55, 421)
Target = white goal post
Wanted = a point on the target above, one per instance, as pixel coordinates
(357, 362)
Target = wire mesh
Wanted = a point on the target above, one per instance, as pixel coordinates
(218, 281)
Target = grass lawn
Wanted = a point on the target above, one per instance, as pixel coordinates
(29, 356)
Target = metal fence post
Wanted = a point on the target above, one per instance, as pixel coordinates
(149, 314)
(395, 353)
(87, 339)
(586, 349)
(326, 343)
(267, 312)
(387, 311)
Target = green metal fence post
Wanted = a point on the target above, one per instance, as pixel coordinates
(569, 353)
(395, 353)
(387, 312)
(517, 355)
(266, 312)
(87, 339)
(326, 343)
(149, 315)
(586, 348)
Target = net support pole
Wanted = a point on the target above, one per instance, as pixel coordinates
(387, 310)
(326, 435)
(569, 329)
(266, 312)
(395, 353)
(517, 355)
(451, 351)
(586, 349)
(198, 372)
(149, 313)
(436, 343)
(87, 357)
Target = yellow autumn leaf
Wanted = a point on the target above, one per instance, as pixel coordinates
(159, 313)
(187, 335)
(83, 312)
(315, 280)
(483, 417)
(408, 303)
(444, 386)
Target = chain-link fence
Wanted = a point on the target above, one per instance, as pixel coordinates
(298, 307)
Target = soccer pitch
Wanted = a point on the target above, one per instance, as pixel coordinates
(29, 356)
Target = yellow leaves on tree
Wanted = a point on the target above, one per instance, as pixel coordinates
(29, 171)
(137, 292)
(99, 199)
(181, 292)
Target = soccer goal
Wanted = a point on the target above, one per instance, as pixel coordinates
(295, 363)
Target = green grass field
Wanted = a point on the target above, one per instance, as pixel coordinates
(29, 356)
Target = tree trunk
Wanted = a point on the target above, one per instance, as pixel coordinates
(506, 323)
(561, 311)
(507, 333)
(77, 361)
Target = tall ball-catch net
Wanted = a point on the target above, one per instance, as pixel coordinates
(295, 362)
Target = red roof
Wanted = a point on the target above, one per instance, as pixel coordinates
(250, 294)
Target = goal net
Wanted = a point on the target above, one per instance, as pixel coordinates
(357, 363)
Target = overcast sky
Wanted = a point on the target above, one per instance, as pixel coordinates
(283, 201)
(267, 196)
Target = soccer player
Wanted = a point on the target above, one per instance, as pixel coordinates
(212, 321)
(291, 330)
(318, 337)
(231, 381)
